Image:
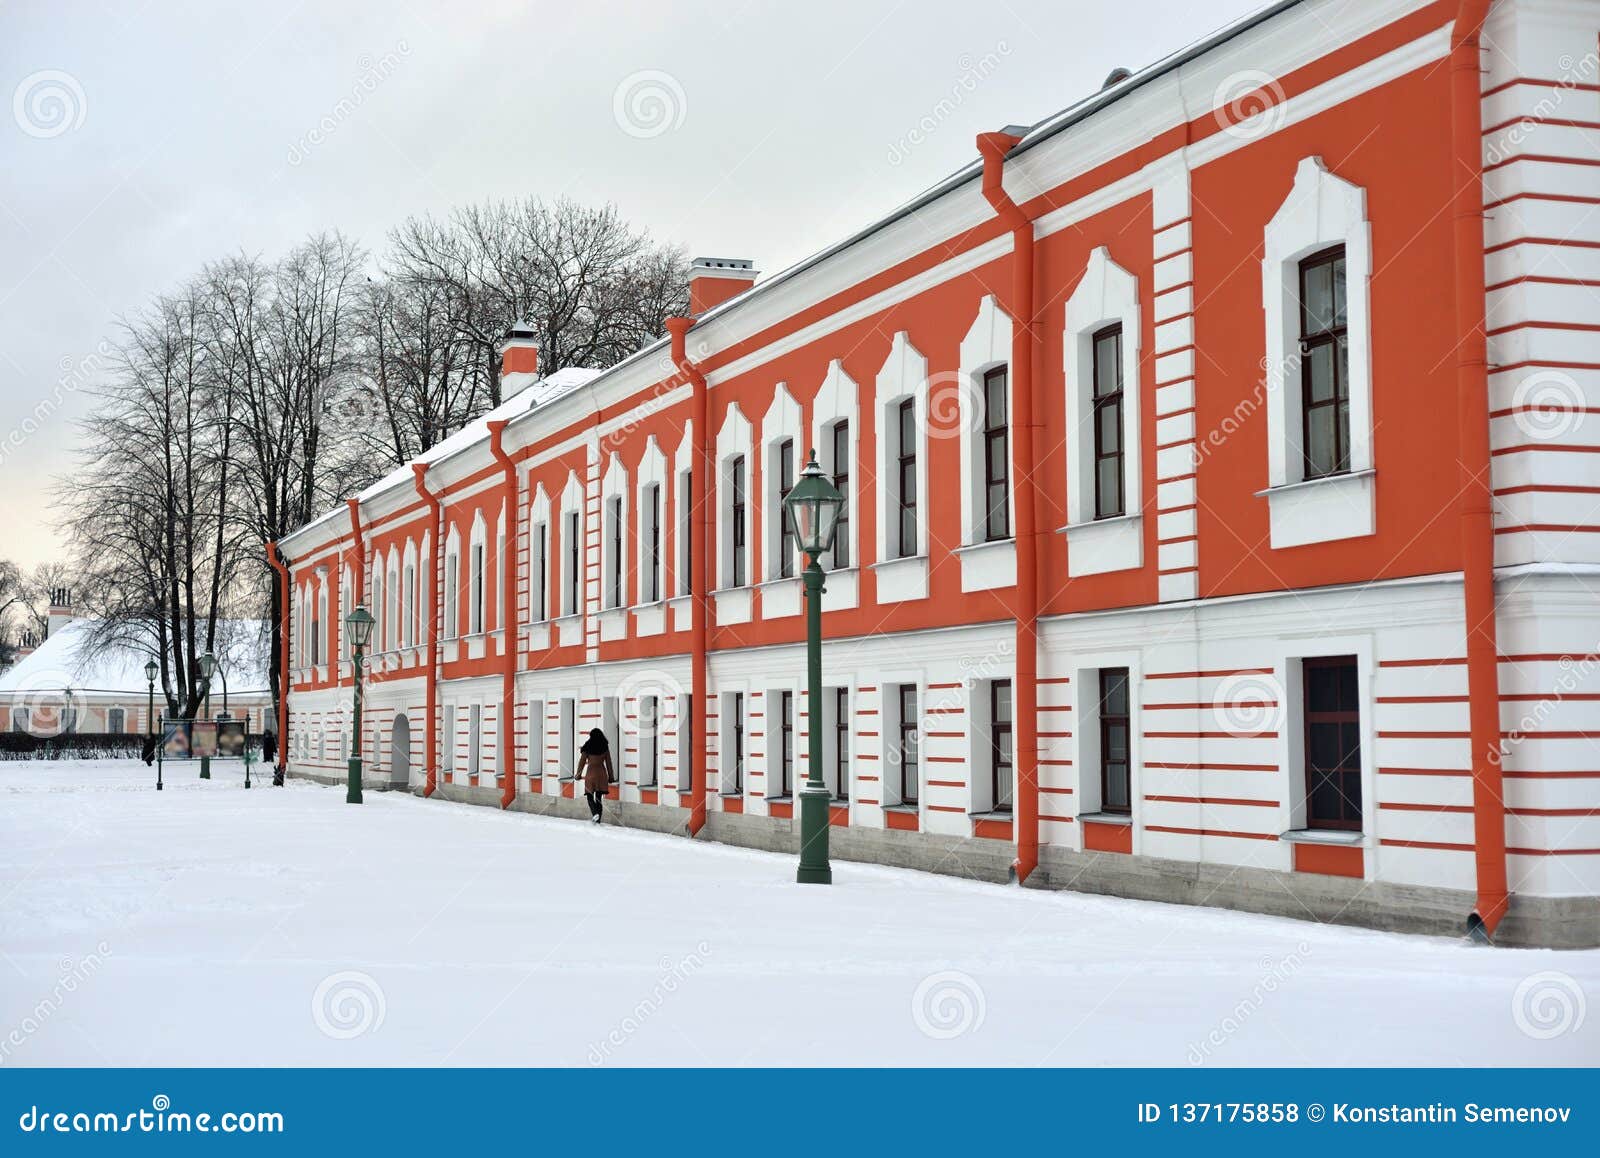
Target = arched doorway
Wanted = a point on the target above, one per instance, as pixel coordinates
(400, 753)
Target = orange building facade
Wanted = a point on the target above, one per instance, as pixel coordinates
(1223, 517)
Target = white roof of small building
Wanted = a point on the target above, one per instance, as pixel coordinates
(64, 660)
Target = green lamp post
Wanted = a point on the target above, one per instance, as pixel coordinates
(208, 664)
(360, 623)
(813, 506)
(150, 670)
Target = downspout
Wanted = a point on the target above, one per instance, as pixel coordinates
(419, 471)
(508, 614)
(359, 588)
(993, 147)
(276, 560)
(699, 568)
(1477, 510)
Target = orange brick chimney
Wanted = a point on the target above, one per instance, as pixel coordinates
(713, 280)
(519, 352)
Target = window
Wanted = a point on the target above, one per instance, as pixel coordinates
(786, 538)
(449, 752)
(452, 594)
(905, 525)
(736, 511)
(996, 457)
(1332, 744)
(614, 538)
(408, 626)
(1108, 438)
(685, 532)
(910, 772)
(649, 740)
(475, 588)
(841, 743)
(1002, 770)
(839, 435)
(685, 750)
(116, 720)
(1115, 788)
(475, 739)
(574, 564)
(21, 720)
(536, 742)
(540, 576)
(733, 783)
(567, 740)
(1324, 364)
(785, 741)
(650, 578)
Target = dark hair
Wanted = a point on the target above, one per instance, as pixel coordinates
(596, 744)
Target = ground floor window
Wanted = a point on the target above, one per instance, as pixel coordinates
(733, 770)
(116, 720)
(1115, 722)
(1332, 743)
(649, 740)
(785, 741)
(1002, 768)
(908, 750)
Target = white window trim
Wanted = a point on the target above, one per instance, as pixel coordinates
(985, 564)
(1322, 210)
(652, 472)
(572, 503)
(836, 401)
(477, 576)
(733, 440)
(539, 516)
(1106, 295)
(682, 463)
(904, 374)
(614, 486)
(781, 422)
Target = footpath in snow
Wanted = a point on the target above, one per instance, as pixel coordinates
(210, 925)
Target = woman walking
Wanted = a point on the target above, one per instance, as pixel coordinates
(594, 766)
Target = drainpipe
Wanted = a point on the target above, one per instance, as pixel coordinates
(1024, 351)
(1477, 510)
(699, 568)
(508, 614)
(359, 590)
(419, 472)
(276, 560)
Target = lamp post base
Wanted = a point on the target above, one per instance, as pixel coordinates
(352, 793)
(814, 867)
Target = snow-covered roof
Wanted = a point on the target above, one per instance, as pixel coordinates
(537, 392)
(64, 660)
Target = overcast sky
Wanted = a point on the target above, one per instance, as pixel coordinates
(144, 140)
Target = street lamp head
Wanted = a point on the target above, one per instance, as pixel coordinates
(150, 670)
(208, 665)
(814, 504)
(360, 622)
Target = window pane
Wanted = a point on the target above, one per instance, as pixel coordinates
(1116, 788)
(1109, 421)
(1108, 487)
(1114, 684)
(1322, 688)
(1002, 702)
(1320, 456)
(1319, 373)
(1316, 298)
(994, 391)
(1108, 364)
(1339, 311)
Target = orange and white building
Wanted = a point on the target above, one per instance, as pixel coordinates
(1223, 470)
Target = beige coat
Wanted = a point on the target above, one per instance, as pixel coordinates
(596, 772)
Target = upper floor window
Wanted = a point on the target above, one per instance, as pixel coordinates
(996, 457)
(736, 513)
(839, 458)
(650, 534)
(905, 542)
(1108, 436)
(408, 625)
(614, 539)
(786, 538)
(452, 597)
(539, 576)
(685, 501)
(1332, 715)
(1324, 364)
(574, 554)
(475, 581)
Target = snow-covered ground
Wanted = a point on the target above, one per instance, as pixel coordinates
(206, 924)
